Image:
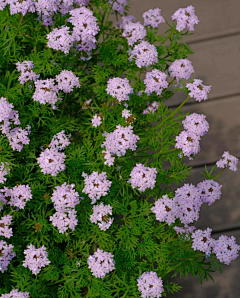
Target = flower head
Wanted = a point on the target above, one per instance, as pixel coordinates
(153, 18)
(96, 186)
(155, 81)
(101, 217)
(150, 285)
(101, 263)
(185, 18)
(228, 161)
(143, 177)
(119, 88)
(181, 69)
(198, 90)
(145, 54)
(36, 258)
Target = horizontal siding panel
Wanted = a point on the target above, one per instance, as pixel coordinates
(224, 126)
(225, 285)
(215, 17)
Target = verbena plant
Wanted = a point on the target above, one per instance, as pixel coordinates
(91, 153)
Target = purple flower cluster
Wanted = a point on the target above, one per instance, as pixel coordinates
(16, 294)
(134, 32)
(51, 161)
(119, 88)
(85, 28)
(185, 18)
(145, 54)
(17, 136)
(119, 5)
(26, 73)
(5, 222)
(96, 185)
(181, 69)
(126, 20)
(60, 39)
(101, 263)
(202, 240)
(18, 196)
(229, 161)
(64, 220)
(224, 247)
(210, 191)
(188, 142)
(165, 210)
(7, 115)
(22, 7)
(67, 80)
(101, 217)
(36, 258)
(60, 141)
(153, 18)
(196, 123)
(198, 90)
(46, 92)
(152, 108)
(4, 170)
(6, 255)
(97, 120)
(65, 198)
(150, 285)
(143, 177)
(155, 81)
(118, 142)
(188, 201)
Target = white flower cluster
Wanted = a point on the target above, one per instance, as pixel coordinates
(100, 216)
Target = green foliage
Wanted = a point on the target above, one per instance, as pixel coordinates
(138, 242)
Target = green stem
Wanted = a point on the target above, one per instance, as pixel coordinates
(219, 174)
(168, 37)
(171, 82)
(64, 101)
(174, 112)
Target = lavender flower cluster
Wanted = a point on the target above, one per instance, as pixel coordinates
(17, 136)
(36, 258)
(150, 285)
(51, 161)
(101, 263)
(65, 198)
(4, 170)
(118, 142)
(18, 196)
(189, 139)
(155, 81)
(143, 177)
(16, 294)
(85, 28)
(119, 88)
(224, 247)
(26, 72)
(229, 161)
(101, 217)
(96, 185)
(5, 222)
(6, 255)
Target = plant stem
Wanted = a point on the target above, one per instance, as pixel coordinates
(219, 174)
(177, 109)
